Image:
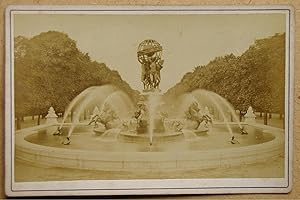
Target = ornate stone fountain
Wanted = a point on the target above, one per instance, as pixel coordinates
(118, 134)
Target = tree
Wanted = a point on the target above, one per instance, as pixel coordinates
(50, 71)
(255, 78)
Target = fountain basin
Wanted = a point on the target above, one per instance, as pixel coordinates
(167, 136)
(99, 130)
(144, 159)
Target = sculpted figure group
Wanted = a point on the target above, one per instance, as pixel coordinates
(107, 117)
(151, 72)
(193, 113)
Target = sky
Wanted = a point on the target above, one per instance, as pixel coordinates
(188, 40)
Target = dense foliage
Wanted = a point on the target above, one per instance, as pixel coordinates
(255, 78)
(51, 71)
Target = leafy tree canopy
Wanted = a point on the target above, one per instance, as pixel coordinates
(255, 78)
(50, 71)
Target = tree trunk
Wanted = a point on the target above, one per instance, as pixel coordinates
(22, 118)
(18, 123)
(270, 115)
(39, 119)
(240, 115)
(260, 115)
(266, 118)
(280, 116)
(32, 117)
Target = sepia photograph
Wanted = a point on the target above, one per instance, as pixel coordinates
(148, 100)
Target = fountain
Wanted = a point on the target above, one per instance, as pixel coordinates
(192, 132)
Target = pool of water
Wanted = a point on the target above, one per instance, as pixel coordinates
(216, 138)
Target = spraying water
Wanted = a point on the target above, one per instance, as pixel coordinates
(74, 102)
(121, 102)
(153, 102)
(230, 108)
(222, 114)
(96, 111)
(186, 100)
(212, 97)
(85, 102)
(104, 96)
(105, 89)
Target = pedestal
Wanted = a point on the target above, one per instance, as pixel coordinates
(51, 117)
(250, 116)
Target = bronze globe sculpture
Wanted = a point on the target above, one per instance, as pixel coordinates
(149, 55)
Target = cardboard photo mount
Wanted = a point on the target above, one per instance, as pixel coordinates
(146, 186)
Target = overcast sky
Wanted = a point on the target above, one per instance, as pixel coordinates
(187, 40)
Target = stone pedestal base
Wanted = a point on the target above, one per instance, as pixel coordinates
(250, 116)
(250, 120)
(51, 120)
(51, 117)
